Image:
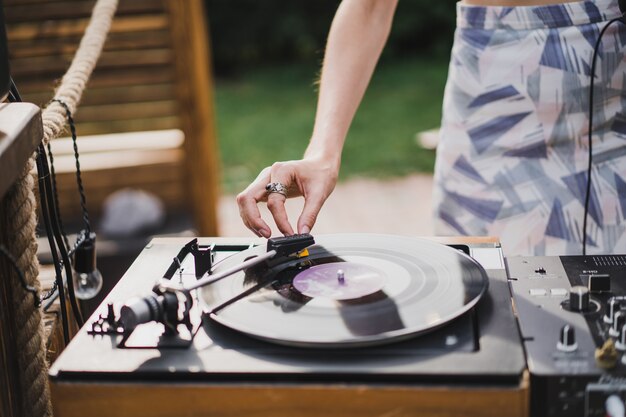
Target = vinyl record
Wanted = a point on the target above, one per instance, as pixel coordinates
(352, 290)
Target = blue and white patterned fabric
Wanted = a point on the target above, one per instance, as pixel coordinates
(512, 158)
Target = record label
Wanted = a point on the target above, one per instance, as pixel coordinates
(339, 281)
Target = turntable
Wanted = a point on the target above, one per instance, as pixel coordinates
(365, 325)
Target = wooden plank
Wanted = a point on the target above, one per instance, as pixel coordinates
(108, 60)
(113, 159)
(147, 140)
(99, 79)
(134, 125)
(127, 111)
(285, 400)
(21, 12)
(156, 171)
(68, 45)
(190, 40)
(22, 132)
(122, 94)
(75, 28)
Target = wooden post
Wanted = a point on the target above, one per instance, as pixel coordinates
(195, 89)
(22, 132)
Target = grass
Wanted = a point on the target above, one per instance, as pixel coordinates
(267, 115)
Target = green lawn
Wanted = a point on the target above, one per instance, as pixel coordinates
(267, 115)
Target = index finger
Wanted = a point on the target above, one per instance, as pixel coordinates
(249, 212)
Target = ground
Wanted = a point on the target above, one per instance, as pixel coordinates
(397, 206)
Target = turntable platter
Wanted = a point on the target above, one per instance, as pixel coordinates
(352, 289)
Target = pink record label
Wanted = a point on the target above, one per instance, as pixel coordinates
(339, 281)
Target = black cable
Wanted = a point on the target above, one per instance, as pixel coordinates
(56, 233)
(590, 158)
(79, 180)
(53, 232)
(55, 223)
(80, 239)
(21, 276)
(53, 176)
(53, 251)
(50, 292)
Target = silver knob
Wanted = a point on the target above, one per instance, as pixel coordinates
(619, 319)
(567, 339)
(620, 344)
(612, 307)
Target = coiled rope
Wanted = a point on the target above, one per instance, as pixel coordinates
(18, 223)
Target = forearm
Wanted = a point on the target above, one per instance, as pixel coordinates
(357, 36)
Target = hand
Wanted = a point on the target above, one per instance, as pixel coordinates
(312, 178)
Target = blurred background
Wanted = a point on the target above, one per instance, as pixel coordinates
(184, 110)
(266, 63)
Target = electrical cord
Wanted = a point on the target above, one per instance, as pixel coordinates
(53, 231)
(81, 237)
(53, 176)
(50, 195)
(79, 180)
(56, 234)
(590, 142)
(53, 250)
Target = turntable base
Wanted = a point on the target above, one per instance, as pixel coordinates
(473, 366)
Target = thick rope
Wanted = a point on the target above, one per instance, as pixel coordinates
(17, 229)
(18, 223)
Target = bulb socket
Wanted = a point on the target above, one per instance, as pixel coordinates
(85, 255)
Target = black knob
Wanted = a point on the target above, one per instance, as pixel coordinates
(612, 307)
(579, 298)
(599, 283)
(619, 319)
(567, 339)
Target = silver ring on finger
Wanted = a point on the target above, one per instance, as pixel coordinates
(276, 187)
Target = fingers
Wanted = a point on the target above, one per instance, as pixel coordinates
(300, 178)
(251, 216)
(312, 206)
(276, 201)
(276, 205)
(247, 201)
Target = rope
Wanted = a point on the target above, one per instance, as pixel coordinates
(17, 233)
(18, 223)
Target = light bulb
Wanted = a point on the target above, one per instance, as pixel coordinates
(87, 285)
(86, 278)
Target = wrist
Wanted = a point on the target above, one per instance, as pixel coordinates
(325, 159)
(326, 150)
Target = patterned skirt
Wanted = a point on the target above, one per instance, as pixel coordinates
(512, 158)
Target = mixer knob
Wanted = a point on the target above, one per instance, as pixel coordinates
(619, 319)
(599, 283)
(612, 307)
(567, 339)
(579, 298)
(621, 340)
